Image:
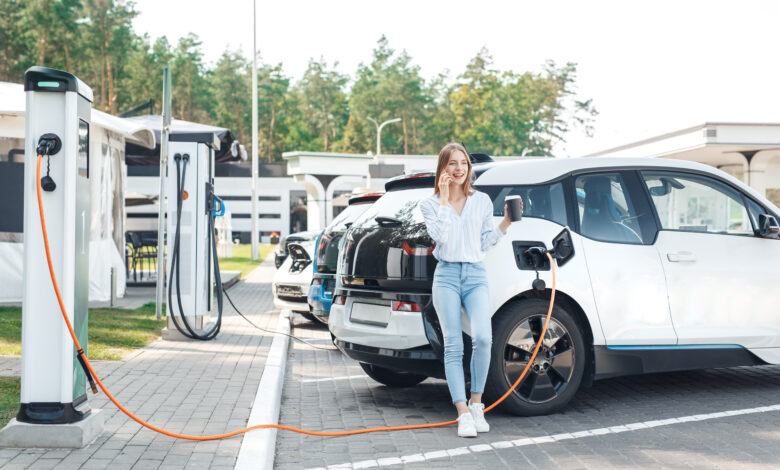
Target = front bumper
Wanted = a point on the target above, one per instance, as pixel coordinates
(295, 306)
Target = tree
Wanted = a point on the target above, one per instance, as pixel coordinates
(272, 102)
(145, 73)
(109, 41)
(14, 44)
(191, 98)
(231, 83)
(323, 104)
(389, 87)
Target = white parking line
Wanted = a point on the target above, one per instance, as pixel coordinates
(326, 379)
(440, 454)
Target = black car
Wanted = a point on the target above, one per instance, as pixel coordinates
(387, 259)
(326, 255)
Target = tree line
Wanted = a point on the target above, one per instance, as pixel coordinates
(491, 111)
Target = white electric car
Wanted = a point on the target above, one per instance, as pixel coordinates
(675, 267)
(292, 278)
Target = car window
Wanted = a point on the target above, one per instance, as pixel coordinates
(544, 201)
(349, 214)
(605, 209)
(693, 203)
(754, 210)
(401, 205)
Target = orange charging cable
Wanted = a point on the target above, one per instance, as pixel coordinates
(259, 426)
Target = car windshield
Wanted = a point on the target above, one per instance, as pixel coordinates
(401, 205)
(346, 217)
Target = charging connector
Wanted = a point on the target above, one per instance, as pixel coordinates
(48, 145)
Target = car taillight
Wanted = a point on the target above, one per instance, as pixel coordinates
(323, 242)
(316, 282)
(418, 250)
(339, 300)
(406, 307)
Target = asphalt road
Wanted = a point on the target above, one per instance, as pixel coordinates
(715, 418)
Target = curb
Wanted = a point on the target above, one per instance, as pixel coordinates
(258, 448)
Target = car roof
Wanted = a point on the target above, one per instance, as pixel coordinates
(425, 179)
(541, 170)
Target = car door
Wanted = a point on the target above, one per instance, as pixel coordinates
(627, 278)
(722, 278)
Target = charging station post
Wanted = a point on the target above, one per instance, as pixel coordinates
(54, 411)
(191, 269)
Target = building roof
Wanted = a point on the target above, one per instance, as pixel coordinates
(716, 143)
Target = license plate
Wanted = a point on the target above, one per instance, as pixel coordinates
(288, 290)
(370, 314)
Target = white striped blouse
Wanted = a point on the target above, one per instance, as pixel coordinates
(463, 237)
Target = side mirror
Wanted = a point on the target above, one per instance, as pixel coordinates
(768, 226)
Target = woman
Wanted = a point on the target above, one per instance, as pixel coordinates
(460, 221)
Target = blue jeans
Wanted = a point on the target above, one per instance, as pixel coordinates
(456, 284)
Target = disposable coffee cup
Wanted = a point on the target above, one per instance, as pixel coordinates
(514, 206)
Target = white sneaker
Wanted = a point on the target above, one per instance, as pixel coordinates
(466, 426)
(477, 411)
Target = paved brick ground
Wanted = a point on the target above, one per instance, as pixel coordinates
(187, 387)
(744, 441)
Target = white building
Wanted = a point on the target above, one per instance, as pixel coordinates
(304, 193)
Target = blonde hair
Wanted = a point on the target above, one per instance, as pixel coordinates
(444, 158)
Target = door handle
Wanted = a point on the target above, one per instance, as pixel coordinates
(681, 256)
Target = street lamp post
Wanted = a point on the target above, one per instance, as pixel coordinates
(378, 143)
(254, 238)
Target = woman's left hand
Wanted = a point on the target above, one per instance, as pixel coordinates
(506, 219)
(505, 222)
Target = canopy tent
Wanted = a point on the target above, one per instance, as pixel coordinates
(229, 148)
(108, 137)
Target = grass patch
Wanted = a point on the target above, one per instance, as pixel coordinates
(9, 399)
(241, 260)
(112, 333)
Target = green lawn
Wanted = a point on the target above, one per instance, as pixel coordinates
(113, 332)
(9, 399)
(241, 258)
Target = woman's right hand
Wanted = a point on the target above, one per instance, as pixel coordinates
(444, 188)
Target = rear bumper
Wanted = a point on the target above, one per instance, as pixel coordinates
(320, 301)
(400, 341)
(421, 360)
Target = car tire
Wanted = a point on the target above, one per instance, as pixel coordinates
(559, 366)
(391, 378)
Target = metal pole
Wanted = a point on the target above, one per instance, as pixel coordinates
(253, 213)
(166, 131)
(378, 144)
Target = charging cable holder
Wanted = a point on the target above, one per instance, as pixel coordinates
(48, 145)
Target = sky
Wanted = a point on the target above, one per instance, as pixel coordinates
(650, 67)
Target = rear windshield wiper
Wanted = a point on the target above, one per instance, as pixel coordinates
(388, 221)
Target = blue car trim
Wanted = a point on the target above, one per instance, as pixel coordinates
(676, 346)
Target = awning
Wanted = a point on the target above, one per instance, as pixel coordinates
(14, 102)
(134, 132)
(229, 148)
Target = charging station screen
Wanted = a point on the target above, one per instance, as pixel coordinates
(83, 158)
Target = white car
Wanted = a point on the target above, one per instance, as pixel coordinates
(675, 267)
(292, 278)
